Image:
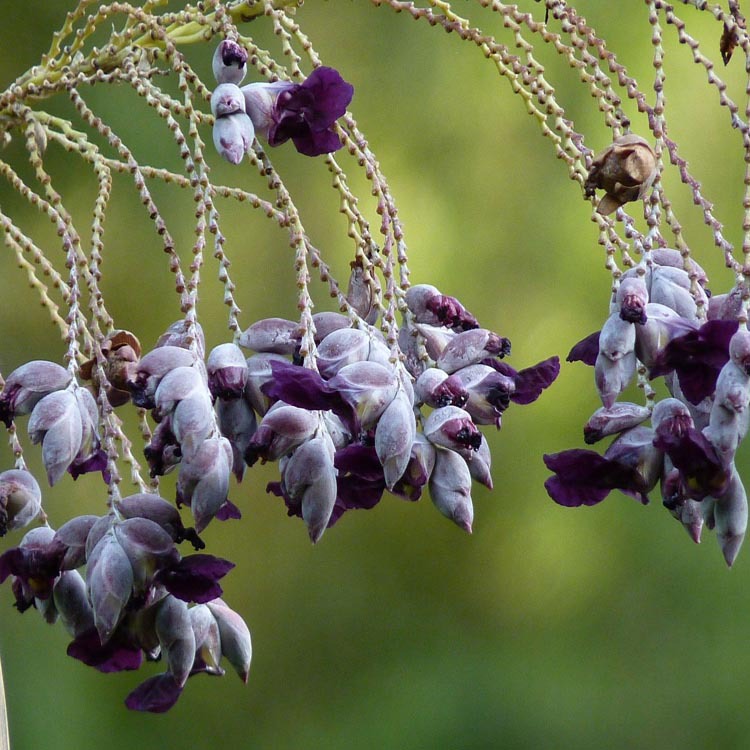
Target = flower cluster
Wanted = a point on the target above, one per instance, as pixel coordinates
(303, 112)
(132, 599)
(359, 420)
(658, 321)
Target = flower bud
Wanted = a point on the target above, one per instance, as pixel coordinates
(470, 348)
(109, 581)
(282, 429)
(28, 384)
(20, 499)
(56, 424)
(73, 536)
(72, 604)
(481, 464)
(430, 306)
(227, 371)
(631, 299)
(730, 517)
(160, 511)
(258, 374)
(617, 418)
(363, 292)
(615, 363)
(176, 385)
(624, 170)
(451, 427)
(227, 99)
(394, 436)
(163, 452)
(661, 326)
(450, 488)
(418, 470)
(238, 424)
(203, 481)
(176, 638)
(193, 421)
(271, 336)
(229, 63)
(436, 388)
(184, 334)
(488, 390)
(153, 367)
(310, 480)
(671, 287)
(236, 645)
(233, 136)
(368, 387)
(207, 639)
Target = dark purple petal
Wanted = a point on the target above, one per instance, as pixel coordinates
(694, 457)
(157, 694)
(301, 387)
(113, 656)
(97, 461)
(360, 460)
(697, 357)
(228, 511)
(195, 578)
(585, 350)
(583, 477)
(317, 142)
(531, 381)
(330, 95)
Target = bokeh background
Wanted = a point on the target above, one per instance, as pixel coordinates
(599, 627)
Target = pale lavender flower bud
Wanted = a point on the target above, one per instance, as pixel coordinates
(227, 371)
(207, 639)
(340, 348)
(368, 387)
(671, 287)
(617, 418)
(73, 535)
(340, 436)
(615, 363)
(193, 421)
(661, 326)
(227, 99)
(258, 374)
(28, 384)
(730, 518)
(203, 481)
(470, 348)
(488, 391)
(271, 336)
(417, 297)
(236, 645)
(238, 424)
(148, 547)
(72, 604)
(20, 500)
(739, 350)
(233, 136)
(394, 436)
(176, 638)
(229, 62)
(668, 256)
(428, 305)
(450, 488)
(452, 427)
(282, 429)
(436, 388)
(109, 581)
(310, 480)
(184, 334)
(327, 322)
(363, 292)
(481, 464)
(436, 338)
(97, 530)
(631, 299)
(160, 511)
(56, 424)
(176, 385)
(419, 469)
(153, 367)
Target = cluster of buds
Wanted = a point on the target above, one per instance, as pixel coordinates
(360, 420)
(305, 113)
(64, 417)
(662, 320)
(133, 599)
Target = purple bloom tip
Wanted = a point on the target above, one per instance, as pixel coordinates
(156, 694)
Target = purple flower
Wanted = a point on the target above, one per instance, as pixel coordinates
(119, 653)
(305, 112)
(531, 381)
(585, 350)
(195, 578)
(157, 694)
(582, 477)
(697, 357)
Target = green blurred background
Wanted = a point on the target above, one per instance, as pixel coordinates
(548, 627)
